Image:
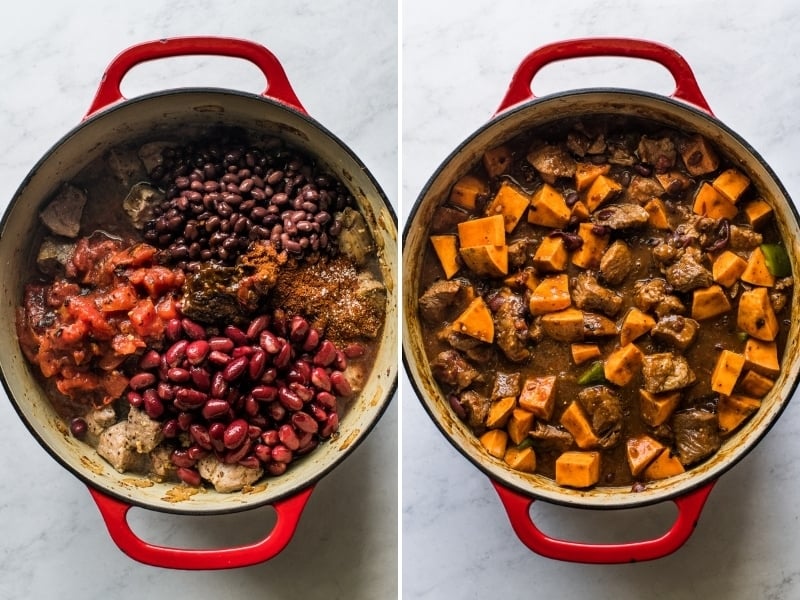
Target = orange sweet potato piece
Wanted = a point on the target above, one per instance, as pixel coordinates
(564, 325)
(756, 271)
(495, 441)
(486, 231)
(574, 420)
(755, 384)
(488, 260)
(500, 412)
(708, 202)
(521, 459)
(578, 469)
(602, 188)
(656, 409)
(756, 316)
(548, 208)
(663, 466)
(551, 256)
(623, 364)
(466, 190)
(446, 248)
(497, 160)
(586, 173)
(726, 372)
(635, 324)
(476, 321)
(641, 450)
(519, 424)
(758, 213)
(731, 183)
(657, 214)
(589, 255)
(550, 295)
(709, 302)
(538, 396)
(582, 353)
(733, 410)
(727, 268)
(699, 156)
(510, 202)
(762, 357)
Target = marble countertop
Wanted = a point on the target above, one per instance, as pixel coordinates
(457, 61)
(341, 58)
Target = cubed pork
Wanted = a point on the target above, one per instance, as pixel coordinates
(227, 478)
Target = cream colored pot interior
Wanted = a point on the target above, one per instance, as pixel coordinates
(501, 129)
(178, 116)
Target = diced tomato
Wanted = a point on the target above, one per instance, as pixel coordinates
(84, 309)
(121, 297)
(145, 320)
(139, 255)
(156, 281)
(126, 344)
(114, 383)
(78, 383)
(167, 308)
(68, 335)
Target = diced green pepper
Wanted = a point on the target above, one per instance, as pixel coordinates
(525, 443)
(777, 260)
(742, 336)
(594, 374)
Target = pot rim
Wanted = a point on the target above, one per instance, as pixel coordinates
(631, 500)
(185, 507)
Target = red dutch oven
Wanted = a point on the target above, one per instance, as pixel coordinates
(686, 109)
(180, 114)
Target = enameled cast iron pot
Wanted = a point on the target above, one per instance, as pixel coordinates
(178, 114)
(520, 110)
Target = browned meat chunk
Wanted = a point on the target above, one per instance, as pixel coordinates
(161, 466)
(449, 368)
(227, 478)
(477, 407)
(505, 385)
(744, 238)
(654, 295)
(589, 295)
(665, 372)
(595, 326)
(696, 435)
(517, 253)
(621, 216)
(446, 218)
(436, 301)
(550, 437)
(552, 162)
(62, 215)
(660, 153)
(510, 328)
(54, 255)
(605, 410)
(676, 330)
(643, 189)
(688, 272)
(355, 240)
(114, 446)
(616, 263)
(621, 151)
(458, 341)
(144, 433)
(141, 202)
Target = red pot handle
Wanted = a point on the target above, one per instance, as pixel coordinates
(114, 514)
(518, 509)
(278, 86)
(686, 87)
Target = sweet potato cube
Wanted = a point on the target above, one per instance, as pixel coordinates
(574, 420)
(641, 450)
(602, 188)
(709, 302)
(733, 410)
(497, 160)
(521, 459)
(726, 372)
(500, 411)
(755, 384)
(762, 357)
(476, 321)
(538, 396)
(657, 214)
(579, 212)
(623, 364)
(727, 268)
(758, 213)
(551, 255)
(756, 316)
(524, 279)
(495, 441)
(699, 156)
(664, 465)
(586, 173)
(756, 271)
(589, 255)
(578, 469)
(708, 202)
(673, 181)
(596, 325)
(564, 325)
(548, 208)
(731, 183)
(488, 260)
(519, 425)
(550, 295)
(446, 248)
(465, 192)
(656, 409)
(486, 231)
(510, 202)
(635, 324)
(582, 353)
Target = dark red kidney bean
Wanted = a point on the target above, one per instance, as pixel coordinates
(264, 393)
(318, 412)
(288, 437)
(237, 454)
(283, 357)
(257, 364)
(170, 428)
(235, 433)
(135, 399)
(304, 422)
(341, 361)
(189, 476)
(173, 329)
(289, 399)
(216, 430)
(197, 351)
(149, 360)
(270, 376)
(242, 351)
(152, 404)
(237, 335)
(270, 437)
(303, 369)
(256, 326)
(185, 419)
(331, 425)
(312, 340)
(274, 178)
(253, 432)
(219, 358)
(214, 408)
(181, 458)
(276, 468)
(179, 375)
(277, 411)
(457, 407)
(235, 369)
(189, 398)
(262, 452)
(219, 387)
(196, 452)
(165, 391)
(176, 353)
(269, 342)
(251, 406)
(304, 393)
(320, 379)
(326, 354)
(193, 330)
(220, 344)
(298, 329)
(250, 462)
(78, 427)
(200, 435)
(354, 350)
(281, 454)
(326, 400)
(200, 378)
(340, 384)
(308, 446)
(141, 381)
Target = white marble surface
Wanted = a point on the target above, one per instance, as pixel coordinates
(457, 61)
(341, 58)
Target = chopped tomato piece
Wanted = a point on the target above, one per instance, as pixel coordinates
(122, 297)
(167, 308)
(126, 344)
(144, 319)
